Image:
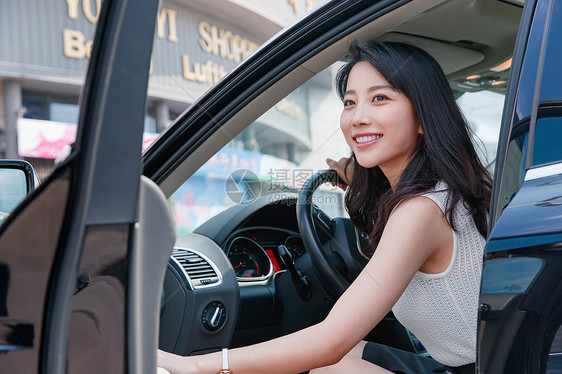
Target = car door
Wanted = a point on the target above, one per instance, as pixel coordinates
(521, 295)
(73, 255)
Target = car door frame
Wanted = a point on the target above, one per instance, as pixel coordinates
(103, 173)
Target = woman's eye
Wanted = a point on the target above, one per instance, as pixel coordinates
(348, 102)
(378, 98)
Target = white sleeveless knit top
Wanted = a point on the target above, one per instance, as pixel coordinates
(441, 310)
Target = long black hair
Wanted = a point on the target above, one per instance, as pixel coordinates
(446, 152)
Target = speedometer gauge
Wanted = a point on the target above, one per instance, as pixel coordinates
(248, 259)
(244, 262)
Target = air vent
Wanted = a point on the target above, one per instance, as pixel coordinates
(200, 271)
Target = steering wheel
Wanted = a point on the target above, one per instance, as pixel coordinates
(336, 249)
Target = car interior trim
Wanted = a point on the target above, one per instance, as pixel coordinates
(240, 232)
(359, 246)
(211, 263)
(256, 282)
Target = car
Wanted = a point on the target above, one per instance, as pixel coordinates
(117, 253)
(17, 179)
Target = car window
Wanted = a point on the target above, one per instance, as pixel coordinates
(272, 157)
(290, 142)
(514, 166)
(483, 112)
(546, 148)
(525, 136)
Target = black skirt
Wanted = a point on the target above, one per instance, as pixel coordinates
(403, 362)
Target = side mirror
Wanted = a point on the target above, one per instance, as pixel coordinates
(17, 180)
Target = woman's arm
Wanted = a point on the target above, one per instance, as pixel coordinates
(412, 233)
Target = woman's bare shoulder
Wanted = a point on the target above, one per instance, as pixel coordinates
(417, 207)
(418, 224)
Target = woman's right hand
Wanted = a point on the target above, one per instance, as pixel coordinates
(169, 363)
(345, 174)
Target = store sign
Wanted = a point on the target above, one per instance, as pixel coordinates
(44, 139)
(213, 40)
(218, 42)
(48, 139)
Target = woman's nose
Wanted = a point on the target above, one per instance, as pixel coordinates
(361, 116)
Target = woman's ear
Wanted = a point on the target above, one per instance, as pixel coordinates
(420, 130)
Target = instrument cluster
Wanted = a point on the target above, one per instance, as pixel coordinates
(253, 252)
(248, 259)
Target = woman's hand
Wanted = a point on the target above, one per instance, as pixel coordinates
(169, 363)
(344, 168)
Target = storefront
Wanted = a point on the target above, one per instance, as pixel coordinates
(46, 46)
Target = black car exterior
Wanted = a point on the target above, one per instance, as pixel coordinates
(521, 294)
(94, 214)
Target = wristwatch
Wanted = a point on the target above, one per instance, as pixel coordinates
(225, 369)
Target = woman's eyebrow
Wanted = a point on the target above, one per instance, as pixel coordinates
(381, 87)
(372, 89)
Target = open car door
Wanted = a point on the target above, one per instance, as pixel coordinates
(521, 296)
(72, 255)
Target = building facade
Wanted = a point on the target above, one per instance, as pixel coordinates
(46, 47)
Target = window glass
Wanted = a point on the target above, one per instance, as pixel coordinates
(546, 148)
(483, 112)
(63, 112)
(35, 107)
(514, 166)
(271, 158)
(551, 77)
(512, 275)
(149, 123)
(278, 152)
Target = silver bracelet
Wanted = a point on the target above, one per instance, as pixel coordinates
(225, 369)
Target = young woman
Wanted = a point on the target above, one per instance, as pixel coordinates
(416, 185)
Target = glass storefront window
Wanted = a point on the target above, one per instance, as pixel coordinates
(63, 112)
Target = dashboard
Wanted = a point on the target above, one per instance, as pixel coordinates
(253, 252)
(225, 285)
(222, 285)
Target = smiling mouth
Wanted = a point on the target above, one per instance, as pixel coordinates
(367, 138)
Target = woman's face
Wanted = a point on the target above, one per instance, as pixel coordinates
(378, 122)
